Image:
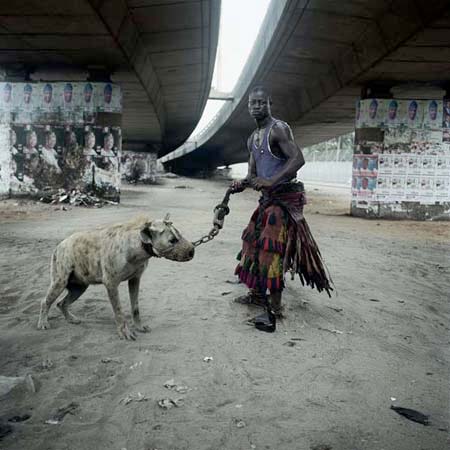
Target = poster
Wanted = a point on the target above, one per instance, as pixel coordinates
(412, 188)
(5, 160)
(412, 117)
(108, 97)
(432, 114)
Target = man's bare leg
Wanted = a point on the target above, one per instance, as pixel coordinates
(275, 303)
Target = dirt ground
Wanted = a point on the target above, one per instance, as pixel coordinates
(324, 380)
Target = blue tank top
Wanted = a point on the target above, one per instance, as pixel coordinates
(267, 164)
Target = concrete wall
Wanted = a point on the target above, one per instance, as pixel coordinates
(401, 163)
(336, 172)
(60, 135)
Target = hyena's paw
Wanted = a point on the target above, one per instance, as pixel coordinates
(43, 324)
(125, 332)
(141, 328)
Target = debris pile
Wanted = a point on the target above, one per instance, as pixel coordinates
(75, 197)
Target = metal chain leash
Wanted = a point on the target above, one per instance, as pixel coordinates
(220, 211)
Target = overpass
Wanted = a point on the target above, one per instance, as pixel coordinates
(160, 52)
(317, 57)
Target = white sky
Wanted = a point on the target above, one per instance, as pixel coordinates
(240, 21)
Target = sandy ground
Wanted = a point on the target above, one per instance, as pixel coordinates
(303, 387)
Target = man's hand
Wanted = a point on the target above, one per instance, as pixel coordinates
(261, 183)
(239, 185)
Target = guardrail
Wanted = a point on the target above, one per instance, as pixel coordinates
(265, 34)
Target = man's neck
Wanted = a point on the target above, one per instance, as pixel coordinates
(262, 123)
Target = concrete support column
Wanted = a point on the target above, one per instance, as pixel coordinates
(60, 135)
(401, 163)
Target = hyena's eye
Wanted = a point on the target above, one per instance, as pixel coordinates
(174, 240)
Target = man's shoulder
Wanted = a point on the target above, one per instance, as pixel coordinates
(281, 128)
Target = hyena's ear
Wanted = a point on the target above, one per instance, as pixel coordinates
(146, 234)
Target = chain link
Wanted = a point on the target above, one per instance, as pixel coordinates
(208, 237)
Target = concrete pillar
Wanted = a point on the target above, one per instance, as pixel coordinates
(60, 135)
(401, 163)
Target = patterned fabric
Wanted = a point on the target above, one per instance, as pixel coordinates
(278, 239)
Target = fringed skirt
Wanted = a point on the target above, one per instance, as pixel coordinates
(277, 240)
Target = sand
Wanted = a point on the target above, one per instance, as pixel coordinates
(324, 380)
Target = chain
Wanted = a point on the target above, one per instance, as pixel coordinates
(208, 237)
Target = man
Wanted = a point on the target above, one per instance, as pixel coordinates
(373, 108)
(7, 90)
(48, 153)
(277, 239)
(392, 111)
(412, 111)
(107, 94)
(88, 93)
(48, 93)
(27, 90)
(432, 110)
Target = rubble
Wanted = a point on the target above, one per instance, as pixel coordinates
(74, 197)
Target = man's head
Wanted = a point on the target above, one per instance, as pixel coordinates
(7, 89)
(50, 140)
(27, 90)
(373, 107)
(259, 103)
(68, 89)
(392, 113)
(31, 139)
(89, 140)
(108, 142)
(48, 91)
(88, 93)
(107, 93)
(412, 110)
(432, 110)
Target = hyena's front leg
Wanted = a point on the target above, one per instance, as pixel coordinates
(133, 289)
(122, 326)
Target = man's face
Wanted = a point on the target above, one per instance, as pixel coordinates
(51, 141)
(47, 95)
(87, 95)
(90, 140)
(107, 95)
(433, 112)
(32, 140)
(7, 94)
(258, 105)
(412, 110)
(67, 95)
(392, 112)
(373, 110)
(109, 142)
(27, 97)
(365, 183)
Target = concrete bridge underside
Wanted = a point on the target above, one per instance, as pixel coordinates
(320, 56)
(161, 52)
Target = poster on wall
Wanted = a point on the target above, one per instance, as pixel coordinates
(446, 113)
(441, 187)
(109, 97)
(432, 114)
(413, 116)
(5, 160)
(65, 156)
(412, 188)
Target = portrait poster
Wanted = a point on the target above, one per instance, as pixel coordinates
(374, 112)
(442, 188)
(414, 164)
(399, 164)
(27, 100)
(5, 159)
(426, 193)
(383, 187)
(428, 165)
(398, 184)
(108, 97)
(412, 188)
(432, 114)
(394, 111)
(385, 162)
(412, 116)
(446, 113)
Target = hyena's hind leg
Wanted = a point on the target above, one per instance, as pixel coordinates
(74, 291)
(59, 278)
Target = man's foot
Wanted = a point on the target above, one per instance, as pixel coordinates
(278, 312)
(252, 299)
